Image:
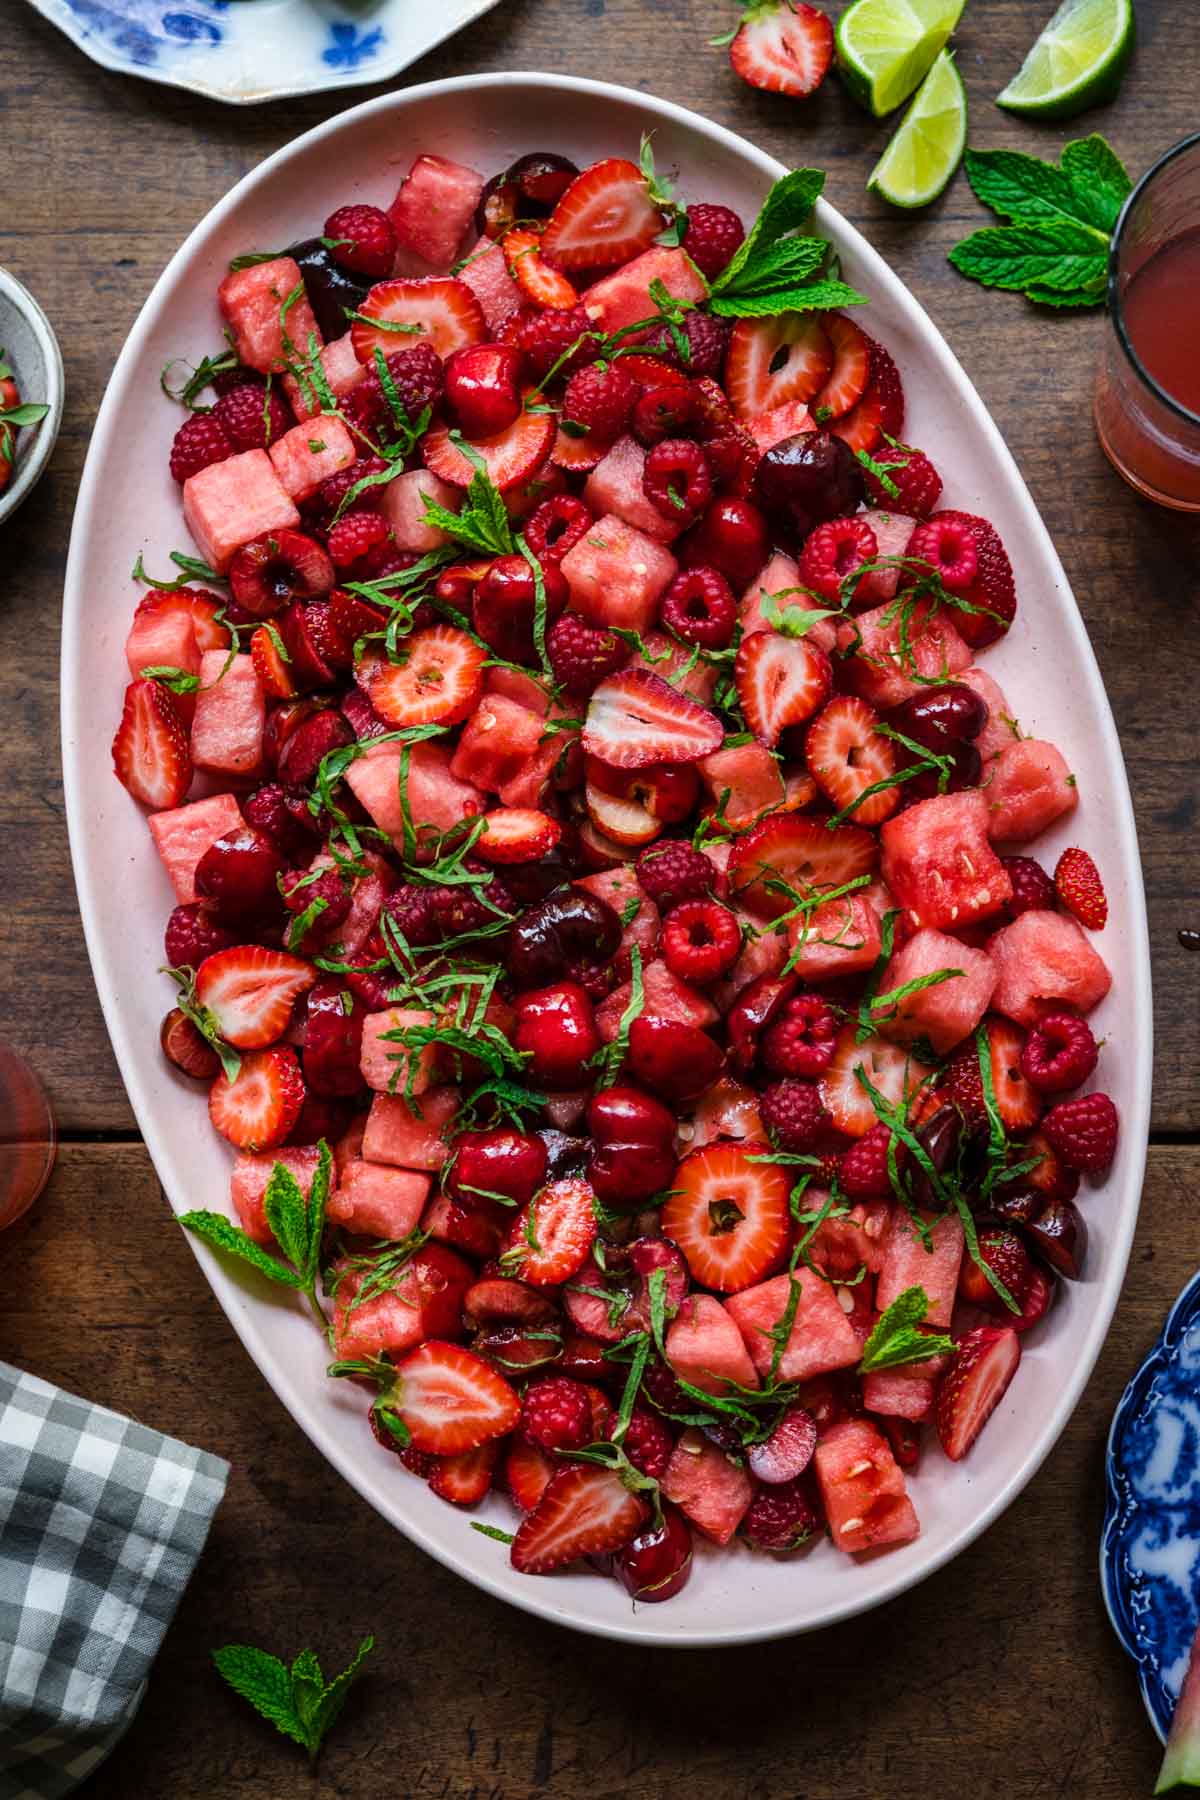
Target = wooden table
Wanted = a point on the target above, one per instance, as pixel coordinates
(998, 1677)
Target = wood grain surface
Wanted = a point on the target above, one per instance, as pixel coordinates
(999, 1677)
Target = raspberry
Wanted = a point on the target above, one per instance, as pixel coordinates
(647, 1443)
(665, 412)
(252, 418)
(802, 1040)
(910, 471)
(732, 456)
(200, 440)
(408, 910)
(1083, 1132)
(282, 815)
(557, 525)
(948, 547)
(546, 336)
(864, 1167)
(677, 479)
(1059, 1054)
(384, 559)
(782, 1516)
(192, 934)
(794, 1114)
(660, 1386)
(354, 535)
(832, 556)
(601, 400)
(713, 234)
(320, 507)
(994, 590)
(299, 893)
(367, 241)
(1032, 888)
(707, 341)
(1007, 1258)
(1079, 887)
(418, 378)
(580, 656)
(701, 941)
(557, 1413)
(671, 870)
(458, 910)
(699, 607)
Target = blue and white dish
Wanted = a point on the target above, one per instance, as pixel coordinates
(243, 51)
(1150, 1546)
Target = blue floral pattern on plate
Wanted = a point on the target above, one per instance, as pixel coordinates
(243, 51)
(1150, 1547)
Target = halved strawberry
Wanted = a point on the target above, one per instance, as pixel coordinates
(973, 1386)
(585, 1511)
(464, 1479)
(1018, 1103)
(250, 992)
(881, 408)
(851, 368)
(636, 718)
(651, 371)
(271, 664)
(888, 1067)
(846, 755)
(621, 817)
(441, 312)
(783, 47)
(257, 1109)
(201, 607)
(517, 834)
(771, 361)
(801, 853)
(728, 1215)
(552, 1235)
(440, 680)
(580, 455)
(605, 217)
(450, 1399)
(780, 681)
(533, 274)
(351, 618)
(527, 1471)
(510, 456)
(150, 751)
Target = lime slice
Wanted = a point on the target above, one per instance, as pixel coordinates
(885, 47)
(1078, 61)
(928, 144)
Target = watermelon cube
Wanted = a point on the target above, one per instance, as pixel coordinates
(617, 575)
(764, 952)
(778, 422)
(667, 657)
(838, 938)
(1181, 1761)
(182, 835)
(403, 508)
(615, 486)
(528, 788)
(892, 532)
(162, 637)
(350, 1145)
(486, 274)
(436, 797)
(884, 669)
(252, 303)
(231, 502)
(227, 729)
(705, 1347)
(1030, 787)
(373, 1201)
(248, 1185)
(391, 1321)
(1044, 960)
(516, 684)
(938, 862)
(342, 371)
(1000, 730)
(709, 1489)
(866, 1501)
(496, 744)
(385, 1063)
(411, 1137)
(907, 1262)
(821, 1337)
(305, 455)
(625, 299)
(434, 209)
(898, 1394)
(946, 1011)
(621, 889)
(744, 783)
(666, 997)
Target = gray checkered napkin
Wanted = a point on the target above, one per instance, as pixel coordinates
(101, 1523)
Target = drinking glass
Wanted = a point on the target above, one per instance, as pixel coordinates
(1147, 403)
(28, 1139)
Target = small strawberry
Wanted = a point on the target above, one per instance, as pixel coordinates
(783, 47)
(271, 663)
(728, 1215)
(257, 1109)
(973, 1386)
(584, 1511)
(552, 1235)
(527, 1472)
(637, 719)
(802, 853)
(465, 1478)
(439, 682)
(517, 834)
(250, 992)
(605, 217)
(449, 1399)
(1005, 1254)
(538, 281)
(150, 751)
(1079, 888)
(1017, 1102)
(780, 682)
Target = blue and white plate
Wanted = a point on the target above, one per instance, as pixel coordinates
(1150, 1547)
(243, 51)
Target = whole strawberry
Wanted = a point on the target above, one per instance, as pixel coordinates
(1079, 888)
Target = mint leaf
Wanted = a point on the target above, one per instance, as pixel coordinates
(1099, 178)
(794, 621)
(608, 1060)
(222, 1234)
(895, 1340)
(785, 209)
(1027, 191)
(1089, 296)
(808, 297)
(265, 1682)
(334, 1696)
(492, 1531)
(30, 412)
(1060, 258)
(482, 524)
(287, 1215)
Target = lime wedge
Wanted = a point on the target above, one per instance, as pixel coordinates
(928, 144)
(885, 47)
(1078, 61)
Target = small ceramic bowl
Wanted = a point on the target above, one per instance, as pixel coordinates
(31, 349)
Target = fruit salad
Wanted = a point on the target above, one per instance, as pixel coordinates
(605, 927)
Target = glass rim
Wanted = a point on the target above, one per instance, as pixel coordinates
(1116, 312)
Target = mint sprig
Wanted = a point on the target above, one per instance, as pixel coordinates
(298, 1701)
(895, 1339)
(482, 524)
(297, 1226)
(776, 270)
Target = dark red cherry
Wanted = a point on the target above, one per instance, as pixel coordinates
(656, 1564)
(758, 1005)
(557, 1027)
(966, 771)
(678, 1061)
(940, 717)
(804, 480)
(570, 926)
(332, 1040)
(503, 1161)
(483, 387)
(505, 602)
(1059, 1234)
(732, 536)
(239, 875)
